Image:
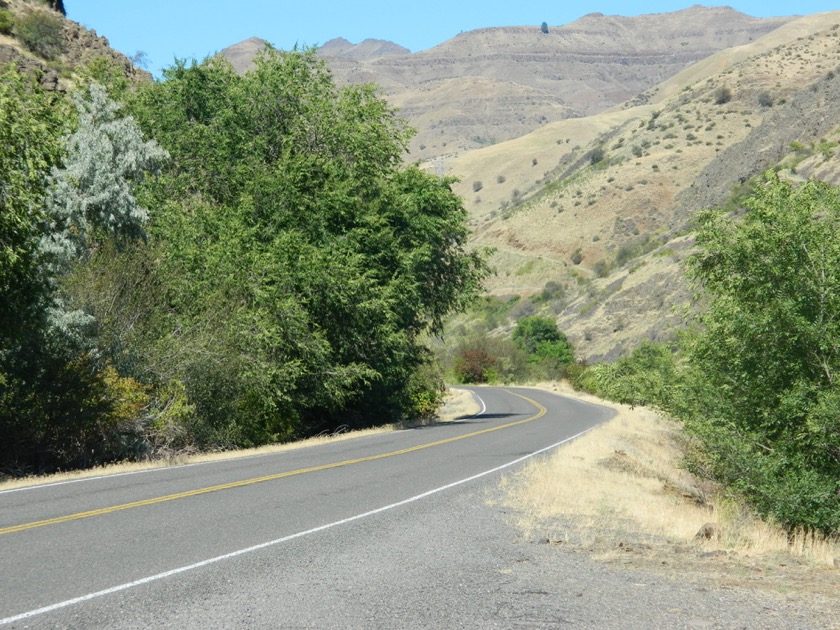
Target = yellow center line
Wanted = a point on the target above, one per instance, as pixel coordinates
(247, 482)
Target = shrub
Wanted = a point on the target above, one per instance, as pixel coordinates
(7, 21)
(42, 33)
(643, 377)
(500, 179)
(477, 185)
(472, 365)
(722, 95)
(765, 99)
(597, 155)
(552, 290)
(601, 268)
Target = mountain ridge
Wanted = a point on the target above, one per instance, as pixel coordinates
(493, 84)
(614, 232)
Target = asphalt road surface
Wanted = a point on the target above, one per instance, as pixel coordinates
(388, 531)
(140, 549)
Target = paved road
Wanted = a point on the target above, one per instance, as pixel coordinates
(165, 547)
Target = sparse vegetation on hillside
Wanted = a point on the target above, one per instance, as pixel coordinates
(42, 33)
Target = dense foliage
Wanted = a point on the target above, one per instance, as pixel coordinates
(274, 278)
(536, 350)
(755, 382)
(761, 393)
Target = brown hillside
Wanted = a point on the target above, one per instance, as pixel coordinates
(78, 47)
(490, 85)
(559, 217)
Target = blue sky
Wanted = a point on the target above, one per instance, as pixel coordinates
(165, 29)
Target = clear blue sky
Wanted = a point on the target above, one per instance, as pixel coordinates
(165, 29)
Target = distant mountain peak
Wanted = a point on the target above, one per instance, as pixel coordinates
(241, 56)
(366, 50)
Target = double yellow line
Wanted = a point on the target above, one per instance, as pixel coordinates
(248, 482)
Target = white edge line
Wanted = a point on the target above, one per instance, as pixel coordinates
(271, 543)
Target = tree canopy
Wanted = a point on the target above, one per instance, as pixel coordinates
(761, 395)
(224, 261)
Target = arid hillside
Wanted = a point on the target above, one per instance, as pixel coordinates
(61, 48)
(494, 84)
(603, 206)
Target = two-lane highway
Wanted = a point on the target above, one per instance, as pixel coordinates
(63, 546)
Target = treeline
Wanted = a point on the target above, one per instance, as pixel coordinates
(755, 382)
(214, 261)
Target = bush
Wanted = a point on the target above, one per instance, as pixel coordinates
(473, 365)
(43, 34)
(760, 395)
(477, 185)
(765, 99)
(722, 95)
(7, 21)
(548, 349)
(642, 378)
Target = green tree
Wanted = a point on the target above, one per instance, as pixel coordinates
(534, 330)
(63, 404)
(761, 392)
(296, 248)
(548, 349)
(31, 125)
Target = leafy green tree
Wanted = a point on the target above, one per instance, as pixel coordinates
(761, 393)
(534, 330)
(296, 247)
(62, 404)
(548, 349)
(30, 130)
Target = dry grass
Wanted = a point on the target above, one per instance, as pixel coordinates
(458, 403)
(619, 494)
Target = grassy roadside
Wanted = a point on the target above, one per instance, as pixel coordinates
(457, 403)
(619, 495)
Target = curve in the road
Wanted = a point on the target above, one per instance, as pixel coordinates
(541, 411)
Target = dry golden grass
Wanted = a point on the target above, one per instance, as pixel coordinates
(458, 403)
(619, 494)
